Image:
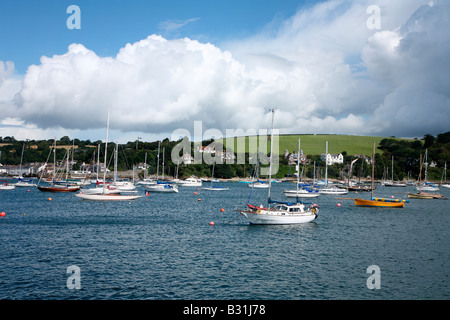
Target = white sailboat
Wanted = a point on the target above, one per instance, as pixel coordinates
(214, 188)
(327, 189)
(282, 212)
(426, 186)
(105, 196)
(303, 192)
(4, 185)
(190, 182)
(21, 182)
(59, 186)
(392, 183)
(160, 186)
(445, 184)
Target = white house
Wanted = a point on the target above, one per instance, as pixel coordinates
(332, 158)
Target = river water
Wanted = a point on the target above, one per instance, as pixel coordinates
(162, 247)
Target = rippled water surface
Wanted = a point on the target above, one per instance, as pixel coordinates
(162, 247)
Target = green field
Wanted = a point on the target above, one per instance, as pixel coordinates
(315, 144)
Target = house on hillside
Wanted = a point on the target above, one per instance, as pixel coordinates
(332, 158)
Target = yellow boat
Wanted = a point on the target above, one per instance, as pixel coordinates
(380, 202)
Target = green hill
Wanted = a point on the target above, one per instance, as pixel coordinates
(315, 144)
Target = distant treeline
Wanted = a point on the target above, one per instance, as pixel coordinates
(406, 158)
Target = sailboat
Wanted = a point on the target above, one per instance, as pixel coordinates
(426, 186)
(4, 185)
(104, 196)
(59, 186)
(445, 184)
(21, 182)
(392, 183)
(214, 188)
(282, 212)
(304, 192)
(424, 195)
(258, 184)
(327, 189)
(161, 186)
(378, 202)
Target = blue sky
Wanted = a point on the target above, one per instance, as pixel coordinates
(161, 66)
(31, 29)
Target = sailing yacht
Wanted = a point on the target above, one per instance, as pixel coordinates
(327, 189)
(303, 192)
(378, 202)
(214, 188)
(421, 194)
(62, 186)
(445, 184)
(282, 212)
(21, 182)
(426, 186)
(161, 186)
(392, 183)
(105, 196)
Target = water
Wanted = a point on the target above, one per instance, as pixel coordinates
(162, 247)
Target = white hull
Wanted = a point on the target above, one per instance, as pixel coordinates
(268, 217)
(395, 184)
(25, 184)
(300, 194)
(147, 182)
(282, 214)
(99, 190)
(334, 191)
(162, 188)
(190, 183)
(259, 185)
(8, 187)
(106, 197)
(215, 189)
(427, 188)
(445, 186)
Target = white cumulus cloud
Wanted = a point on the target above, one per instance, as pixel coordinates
(323, 69)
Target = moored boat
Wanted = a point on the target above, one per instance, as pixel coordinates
(378, 202)
(283, 212)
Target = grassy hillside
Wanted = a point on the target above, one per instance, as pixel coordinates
(315, 144)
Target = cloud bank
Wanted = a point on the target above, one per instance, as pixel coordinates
(323, 69)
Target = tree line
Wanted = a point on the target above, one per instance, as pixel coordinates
(406, 153)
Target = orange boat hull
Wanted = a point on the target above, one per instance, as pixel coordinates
(379, 203)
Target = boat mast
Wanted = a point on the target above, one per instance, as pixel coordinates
(271, 154)
(106, 152)
(298, 164)
(157, 163)
(116, 152)
(98, 160)
(21, 158)
(420, 175)
(54, 163)
(326, 163)
(373, 170)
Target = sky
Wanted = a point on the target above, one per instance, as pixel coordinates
(211, 68)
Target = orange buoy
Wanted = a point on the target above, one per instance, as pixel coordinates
(195, 193)
(211, 223)
(222, 210)
(2, 214)
(49, 199)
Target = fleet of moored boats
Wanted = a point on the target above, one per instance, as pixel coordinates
(276, 212)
